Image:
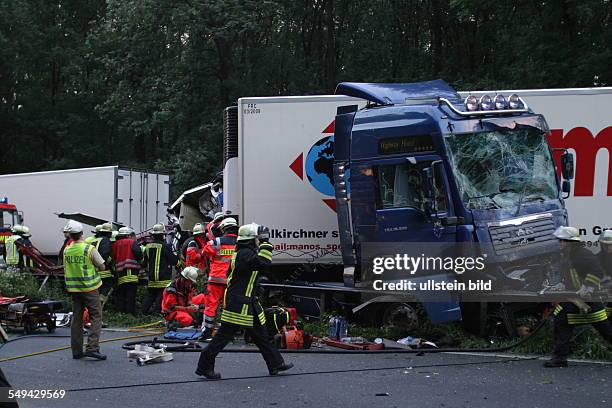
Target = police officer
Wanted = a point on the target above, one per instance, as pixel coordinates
(82, 282)
(581, 272)
(242, 309)
(218, 252)
(96, 234)
(605, 260)
(158, 260)
(14, 258)
(101, 241)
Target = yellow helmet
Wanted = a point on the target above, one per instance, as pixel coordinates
(106, 227)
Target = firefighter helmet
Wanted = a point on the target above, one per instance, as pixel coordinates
(106, 227)
(567, 234)
(25, 231)
(198, 229)
(158, 229)
(606, 237)
(228, 222)
(191, 273)
(247, 232)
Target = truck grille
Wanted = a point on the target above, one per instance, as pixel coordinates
(533, 231)
(230, 133)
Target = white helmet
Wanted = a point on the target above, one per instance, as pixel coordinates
(17, 229)
(74, 227)
(191, 273)
(567, 234)
(218, 216)
(606, 237)
(198, 229)
(124, 231)
(158, 229)
(228, 222)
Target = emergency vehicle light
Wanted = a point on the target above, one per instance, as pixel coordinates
(500, 102)
(515, 102)
(4, 200)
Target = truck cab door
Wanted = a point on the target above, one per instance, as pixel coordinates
(402, 213)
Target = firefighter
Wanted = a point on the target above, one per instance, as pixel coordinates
(26, 235)
(212, 228)
(14, 258)
(219, 252)
(96, 234)
(192, 248)
(82, 282)
(158, 260)
(580, 271)
(126, 255)
(242, 309)
(605, 260)
(101, 241)
(179, 301)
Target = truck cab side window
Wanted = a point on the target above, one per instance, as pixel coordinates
(401, 186)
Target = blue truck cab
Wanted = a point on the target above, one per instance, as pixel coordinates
(420, 165)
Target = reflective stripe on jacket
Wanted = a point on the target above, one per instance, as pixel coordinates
(80, 273)
(241, 304)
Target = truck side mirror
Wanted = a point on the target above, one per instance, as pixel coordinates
(566, 187)
(567, 166)
(20, 217)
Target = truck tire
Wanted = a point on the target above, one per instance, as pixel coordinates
(404, 315)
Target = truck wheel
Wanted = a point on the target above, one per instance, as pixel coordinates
(404, 315)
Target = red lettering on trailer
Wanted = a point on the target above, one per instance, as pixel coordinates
(586, 147)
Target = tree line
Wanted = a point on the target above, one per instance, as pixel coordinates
(143, 83)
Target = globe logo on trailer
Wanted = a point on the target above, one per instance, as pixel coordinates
(319, 165)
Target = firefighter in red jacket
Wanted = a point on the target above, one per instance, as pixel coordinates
(192, 248)
(179, 301)
(219, 252)
(126, 254)
(213, 229)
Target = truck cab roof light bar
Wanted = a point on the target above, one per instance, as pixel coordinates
(524, 109)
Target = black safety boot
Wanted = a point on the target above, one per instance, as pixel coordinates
(94, 354)
(77, 356)
(282, 367)
(556, 362)
(206, 335)
(209, 374)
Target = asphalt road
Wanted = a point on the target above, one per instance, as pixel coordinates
(393, 380)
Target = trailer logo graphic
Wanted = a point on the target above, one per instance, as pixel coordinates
(318, 166)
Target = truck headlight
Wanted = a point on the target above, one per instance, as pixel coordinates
(515, 102)
(500, 102)
(486, 103)
(471, 103)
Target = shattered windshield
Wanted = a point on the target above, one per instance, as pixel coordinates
(502, 169)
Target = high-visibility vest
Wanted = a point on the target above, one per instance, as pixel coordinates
(79, 272)
(12, 250)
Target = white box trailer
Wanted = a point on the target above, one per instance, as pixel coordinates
(136, 198)
(272, 175)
